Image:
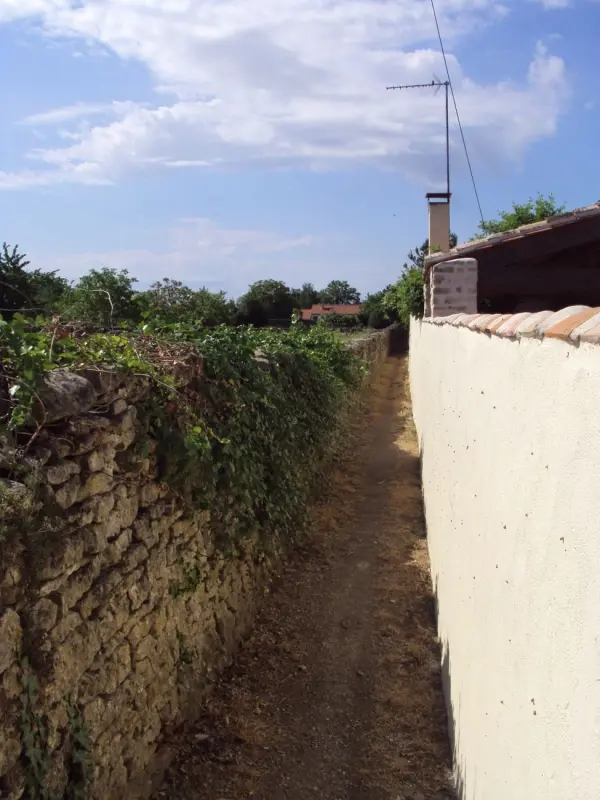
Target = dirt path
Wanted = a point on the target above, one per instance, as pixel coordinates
(337, 694)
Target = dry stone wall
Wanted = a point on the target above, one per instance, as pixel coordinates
(118, 609)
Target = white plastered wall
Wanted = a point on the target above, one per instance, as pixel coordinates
(510, 443)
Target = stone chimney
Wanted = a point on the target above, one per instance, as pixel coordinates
(439, 221)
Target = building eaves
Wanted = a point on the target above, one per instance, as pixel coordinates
(471, 248)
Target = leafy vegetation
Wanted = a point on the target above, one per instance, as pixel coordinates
(247, 437)
(306, 296)
(105, 297)
(170, 302)
(376, 313)
(343, 321)
(339, 293)
(34, 736)
(20, 288)
(406, 297)
(264, 301)
(36, 751)
(79, 765)
(534, 210)
(247, 441)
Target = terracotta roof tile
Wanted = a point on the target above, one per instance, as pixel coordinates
(557, 317)
(494, 324)
(564, 328)
(529, 326)
(575, 324)
(591, 336)
(589, 330)
(509, 327)
(461, 319)
(479, 321)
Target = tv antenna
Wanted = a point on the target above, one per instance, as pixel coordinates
(436, 83)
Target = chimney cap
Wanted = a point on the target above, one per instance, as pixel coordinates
(439, 196)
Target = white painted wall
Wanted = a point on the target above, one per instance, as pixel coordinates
(510, 438)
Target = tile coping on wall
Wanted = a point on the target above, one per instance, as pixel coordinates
(573, 324)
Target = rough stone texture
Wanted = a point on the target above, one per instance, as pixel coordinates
(373, 348)
(92, 601)
(63, 395)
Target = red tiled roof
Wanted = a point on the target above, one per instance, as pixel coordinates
(324, 308)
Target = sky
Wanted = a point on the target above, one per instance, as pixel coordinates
(220, 142)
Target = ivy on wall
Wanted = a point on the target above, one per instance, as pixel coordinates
(248, 435)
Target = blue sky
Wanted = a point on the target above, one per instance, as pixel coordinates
(223, 141)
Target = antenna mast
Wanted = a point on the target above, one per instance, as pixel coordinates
(446, 85)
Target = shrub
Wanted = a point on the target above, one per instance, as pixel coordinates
(248, 439)
(343, 320)
(406, 297)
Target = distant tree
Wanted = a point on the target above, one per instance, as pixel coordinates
(375, 313)
(27, 291)
(535, 210)
(306, 296)
(339, 293)
(104, 297)
(405, 298)
(169, 301)
(49, 291)
(265, 300)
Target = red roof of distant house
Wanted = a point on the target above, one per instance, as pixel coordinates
(320, 309)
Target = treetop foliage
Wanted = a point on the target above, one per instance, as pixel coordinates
(108, 298)
(534, 210)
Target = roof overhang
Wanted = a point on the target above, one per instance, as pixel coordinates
(529, 242)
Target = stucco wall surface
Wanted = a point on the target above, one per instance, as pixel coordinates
(509, 432)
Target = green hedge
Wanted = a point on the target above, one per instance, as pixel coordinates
(248, 439)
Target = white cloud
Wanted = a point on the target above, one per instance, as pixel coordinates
(78, 111)
(198, 251)
(555, 3)
(283, 82)
(83, 173)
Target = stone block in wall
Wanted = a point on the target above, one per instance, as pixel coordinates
(10, 585)
(61, 472)
(68, 494)
(10, 638)
(44, 614)
(63, 394)
(10, 742)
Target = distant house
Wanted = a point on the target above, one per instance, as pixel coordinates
(322, 310)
